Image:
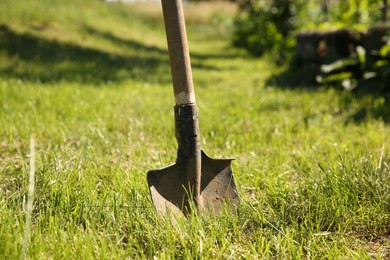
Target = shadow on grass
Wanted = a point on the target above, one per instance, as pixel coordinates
(33, 58)
(29, 57)
(130, 44)
(375, 107)
(292, 78)
(197, 59)
(374, 103)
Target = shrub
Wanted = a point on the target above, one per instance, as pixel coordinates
(365, 70)
(262, 27)
(269, 26)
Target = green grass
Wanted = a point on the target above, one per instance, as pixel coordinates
(91, 82)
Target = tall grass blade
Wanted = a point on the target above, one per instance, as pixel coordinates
(30, 199)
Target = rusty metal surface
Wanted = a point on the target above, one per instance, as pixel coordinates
(168, 192)
(217, 184)
(180, 182)
(194, 177)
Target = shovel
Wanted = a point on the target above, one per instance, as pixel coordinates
(195, 182)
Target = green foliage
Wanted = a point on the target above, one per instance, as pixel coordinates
(365, 70)
(270, 26)
(266, 27)
(340, 14)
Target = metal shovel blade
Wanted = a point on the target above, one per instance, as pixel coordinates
(168, 187)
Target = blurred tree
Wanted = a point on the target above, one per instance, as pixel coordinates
(266, 26)
(269, 25)
(325, 9)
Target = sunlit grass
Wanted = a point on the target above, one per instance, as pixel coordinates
(93, 87)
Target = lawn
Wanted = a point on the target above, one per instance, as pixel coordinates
(89, 82)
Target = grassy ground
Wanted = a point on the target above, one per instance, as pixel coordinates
(91, 82)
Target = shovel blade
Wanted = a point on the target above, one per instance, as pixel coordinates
(169, 194)
(217, 184)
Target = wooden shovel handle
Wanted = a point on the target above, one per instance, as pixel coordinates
(178, 52)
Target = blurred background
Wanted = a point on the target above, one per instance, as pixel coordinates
(348, 37)
(351, 37)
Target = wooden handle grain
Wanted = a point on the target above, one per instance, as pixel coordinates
(178, 52)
